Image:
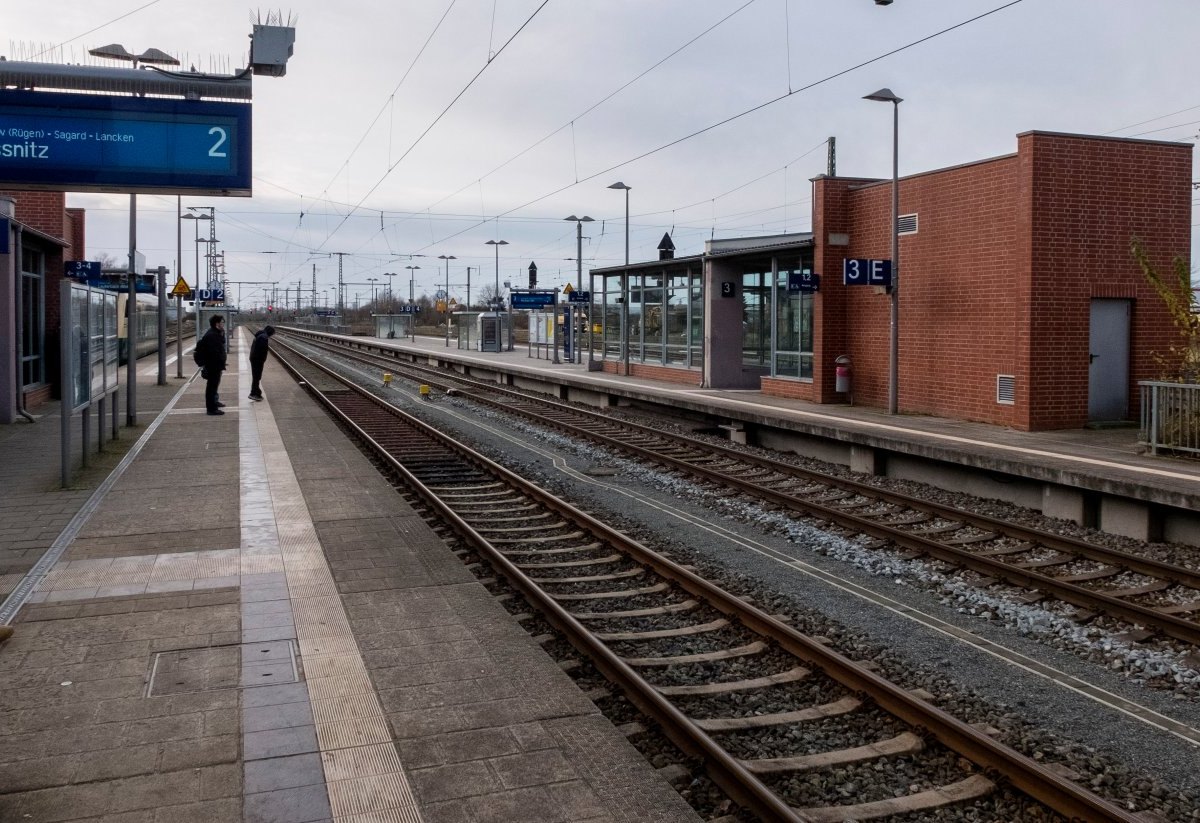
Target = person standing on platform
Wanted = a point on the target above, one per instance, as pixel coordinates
(210, 355)
(258, 358)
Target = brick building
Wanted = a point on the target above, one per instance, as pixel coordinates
(38, 233)
(1020, 303)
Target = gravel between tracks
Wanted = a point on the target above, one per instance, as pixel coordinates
(1123, 759)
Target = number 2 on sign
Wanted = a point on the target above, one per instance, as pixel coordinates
(222, 137)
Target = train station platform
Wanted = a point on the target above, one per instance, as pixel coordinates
(237, 618)
(1096, 477)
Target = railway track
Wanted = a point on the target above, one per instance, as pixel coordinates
(1156, 598)
(680, 647)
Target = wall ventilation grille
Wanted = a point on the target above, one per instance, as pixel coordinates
(1006, 389)
(906, 224)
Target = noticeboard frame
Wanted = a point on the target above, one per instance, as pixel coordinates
(88, 369)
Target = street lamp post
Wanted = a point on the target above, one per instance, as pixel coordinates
(116, 51)
(625, 283)
(579, 221)
(390, 275)
(497, 244)
(886, 96)
(391, 306)
(373, 281)
(447, 258)
(195, 218)
(412, 318)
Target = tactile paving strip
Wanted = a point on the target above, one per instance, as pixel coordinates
(364, 777)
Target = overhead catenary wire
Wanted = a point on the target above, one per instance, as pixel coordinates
(435, 121)
(733, 118)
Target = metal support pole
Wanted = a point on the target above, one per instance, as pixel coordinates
(179, 298)
(894, 355)
(554, 328)
(130, 326)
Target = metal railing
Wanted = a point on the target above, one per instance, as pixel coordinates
(1171, 416)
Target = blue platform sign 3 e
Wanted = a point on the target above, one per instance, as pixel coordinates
(86, 142)
(858, 272)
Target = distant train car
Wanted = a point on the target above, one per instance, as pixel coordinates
(145, 323)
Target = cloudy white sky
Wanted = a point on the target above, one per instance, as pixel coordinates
(393, 134)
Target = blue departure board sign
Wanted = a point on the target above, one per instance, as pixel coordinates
(85, 142)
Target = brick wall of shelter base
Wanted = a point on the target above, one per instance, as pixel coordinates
(999, 278)
(684, 377)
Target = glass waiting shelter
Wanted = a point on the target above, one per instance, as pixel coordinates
(393, 326)
(664, 313)
(751, 292)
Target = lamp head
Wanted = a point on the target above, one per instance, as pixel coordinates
(884, 95)
(620, 185)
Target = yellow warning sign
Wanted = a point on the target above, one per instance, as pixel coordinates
(567, 289)
(182, 289)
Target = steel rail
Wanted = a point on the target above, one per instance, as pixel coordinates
(1171, 625)
(734, 778)
(1126, 560)
(994, 758)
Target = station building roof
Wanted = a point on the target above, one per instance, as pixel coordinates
(726, 247)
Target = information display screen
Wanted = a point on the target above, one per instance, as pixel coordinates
(85, 142)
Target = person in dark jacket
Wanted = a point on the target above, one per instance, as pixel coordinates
(210, 355)
(258, 358)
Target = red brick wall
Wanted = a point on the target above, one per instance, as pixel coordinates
(1089, 198)
(42, 210)
(686, 377)
(46, 211)
(999, 278)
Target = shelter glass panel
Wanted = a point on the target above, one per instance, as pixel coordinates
(793, 330)
(696, 325)
(80, 342)
(677, 319)
(756, 318)
(653, 336)
(611, 320)
(635, 318)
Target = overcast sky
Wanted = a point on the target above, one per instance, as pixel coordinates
(393, 134)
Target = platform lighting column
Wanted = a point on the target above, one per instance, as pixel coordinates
(579, 221)
(154, 57)
(625, 282)
(447, 258)
(497, 244)
(412, 318)
(886, 96)
(390, 275)
(178, 298)
(391, 307)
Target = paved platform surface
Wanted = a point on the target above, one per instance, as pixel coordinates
(250, 624)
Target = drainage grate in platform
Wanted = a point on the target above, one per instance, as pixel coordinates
(245, 665)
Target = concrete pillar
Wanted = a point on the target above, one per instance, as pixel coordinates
(1129, 518)
(864, 460)
(1065, 503)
